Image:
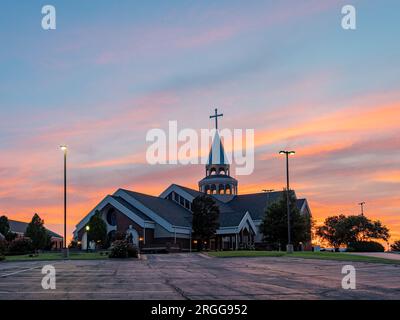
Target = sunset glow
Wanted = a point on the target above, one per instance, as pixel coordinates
(289, 71)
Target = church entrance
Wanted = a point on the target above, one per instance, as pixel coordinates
(132, 236)
(243, 240)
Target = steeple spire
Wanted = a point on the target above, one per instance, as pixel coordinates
(218, 181)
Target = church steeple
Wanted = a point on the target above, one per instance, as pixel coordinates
(218, 181)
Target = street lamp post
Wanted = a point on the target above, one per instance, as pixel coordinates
(289, 246)
(65, 249)
(87, 238)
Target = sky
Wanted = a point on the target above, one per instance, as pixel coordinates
(111, 71)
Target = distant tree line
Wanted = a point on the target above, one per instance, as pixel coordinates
(356, 232)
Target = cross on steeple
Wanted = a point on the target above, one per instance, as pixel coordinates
(216, 115)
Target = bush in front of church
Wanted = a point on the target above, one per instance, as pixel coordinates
(365, 246)
(123, 249)
(20, 246)
(3, 248)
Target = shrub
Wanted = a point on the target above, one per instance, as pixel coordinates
(395, 246)
(3, 247)
(74, 245)
(20, 246)
(365, 246)
(10, 236)
(123, 249)
(119, 235)
(2, 257)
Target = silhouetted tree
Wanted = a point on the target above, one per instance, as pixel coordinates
(38, 233)
(341, 230)
(4, 225)
(98, 229)
(205, 219)
(274, 226)
(395, 246)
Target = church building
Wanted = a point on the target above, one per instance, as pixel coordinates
(165, 222)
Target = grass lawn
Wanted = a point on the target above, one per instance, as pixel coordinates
(58, 256)
(338, 256)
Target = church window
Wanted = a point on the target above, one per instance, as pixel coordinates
(181, 201)
(112, 217)
(176, 197)
(187, 204)
(111, 236)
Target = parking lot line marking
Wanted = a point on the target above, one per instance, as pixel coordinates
(16, 272)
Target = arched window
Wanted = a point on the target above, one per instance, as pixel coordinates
(112, 217)
(213, 189)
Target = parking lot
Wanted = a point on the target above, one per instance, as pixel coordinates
(194, 276)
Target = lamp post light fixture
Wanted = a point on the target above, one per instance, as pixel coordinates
(361, 204)
(289, 246)
(267, 191)
(87, 237)
(64, 148)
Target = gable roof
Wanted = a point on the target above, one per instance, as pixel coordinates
(300, 203)
(192, 192)
(132, 208)
(20, 227)
(230, 219)
(167, 209)
(254, 203)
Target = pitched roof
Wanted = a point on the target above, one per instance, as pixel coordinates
(254, 203)
(230, 219)
(136, 211)
(300, 203)
(20, 227)
(167, 209)
(192, 192)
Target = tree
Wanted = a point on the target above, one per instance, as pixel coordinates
(274, 226)
(98, 229)
(342, 230)
(334, 231)
(38, 233)
(395, 246)
(10, 236)
(4, 225)
(205, 219)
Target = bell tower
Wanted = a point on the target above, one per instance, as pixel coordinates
(218, 181)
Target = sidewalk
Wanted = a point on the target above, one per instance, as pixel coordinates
(384, 255)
